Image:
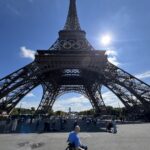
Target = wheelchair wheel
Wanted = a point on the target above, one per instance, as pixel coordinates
(69, 148)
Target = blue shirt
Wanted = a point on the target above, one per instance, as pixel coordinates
(74, 139)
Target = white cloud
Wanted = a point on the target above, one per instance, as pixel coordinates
(30, 95)
(143, 75)
(76, 104)
(81, 103)
(27, 53)
(113, 60)
(111, 53)
(26, 104)
(112, 57)
(13, 9)
(28, 101)
(111, 100)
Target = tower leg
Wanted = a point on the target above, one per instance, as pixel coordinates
(16, 85)
(130, 90)
(96, 99)
(50, 93)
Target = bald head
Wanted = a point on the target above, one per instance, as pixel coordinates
(77, 129)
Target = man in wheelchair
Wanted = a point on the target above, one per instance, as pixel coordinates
(74, 140)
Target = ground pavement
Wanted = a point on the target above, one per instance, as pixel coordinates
(129, 137)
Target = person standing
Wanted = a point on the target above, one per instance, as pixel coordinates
(114, 126)
(14, 125)
(75, 124)
(54, 125)
(109, 126)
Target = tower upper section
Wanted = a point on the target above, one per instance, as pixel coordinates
(72, 22)
(72, 37)
(71, 50)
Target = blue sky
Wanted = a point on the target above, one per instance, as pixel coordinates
(28, 25)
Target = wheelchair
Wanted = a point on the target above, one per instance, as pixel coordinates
(70, 146)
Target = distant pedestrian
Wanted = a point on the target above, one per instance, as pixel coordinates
(54, 125)
(46, 125)
(61, 123)
(109, 126)
(75, 124)
(114, 126)
(14, 125)
(37, 124)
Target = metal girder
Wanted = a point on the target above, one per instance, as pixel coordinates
(131, 91)
(95, 99)
(128, 88)
(13, 98)
(127, 98)
(72, 88)
(16, 85)
(100, 98)
(18, 78)
(50, 93)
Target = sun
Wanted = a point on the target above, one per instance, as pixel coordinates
(106, 39)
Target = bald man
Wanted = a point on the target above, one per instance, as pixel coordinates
(75, 140)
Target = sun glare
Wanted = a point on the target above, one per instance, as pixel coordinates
(106, 39)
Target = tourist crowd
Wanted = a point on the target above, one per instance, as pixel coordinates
(31, 124)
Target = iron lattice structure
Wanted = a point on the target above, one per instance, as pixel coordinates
(72, 64)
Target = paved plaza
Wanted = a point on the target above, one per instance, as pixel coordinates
(129, 137)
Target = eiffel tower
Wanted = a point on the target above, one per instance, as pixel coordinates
(71, 64)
